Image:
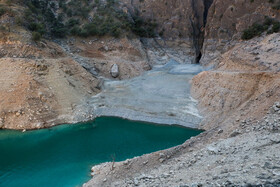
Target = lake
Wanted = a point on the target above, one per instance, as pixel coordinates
(63, 155)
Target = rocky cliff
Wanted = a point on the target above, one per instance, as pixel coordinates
(209, 27)
(228, 19)
(178, 20)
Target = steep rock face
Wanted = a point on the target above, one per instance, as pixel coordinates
(226, 21)
(39, 93)
(245, 83)
(177, 19)
(173, 17)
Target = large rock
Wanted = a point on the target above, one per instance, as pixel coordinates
(115, 71)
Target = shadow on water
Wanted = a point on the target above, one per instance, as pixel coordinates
(63, 155)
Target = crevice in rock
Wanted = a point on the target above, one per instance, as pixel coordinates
(198, 23)
(198, 57)
(207, 5)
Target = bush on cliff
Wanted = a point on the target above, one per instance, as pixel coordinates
(255, 30)
(269, 25)
(36, 36)
(2, 11)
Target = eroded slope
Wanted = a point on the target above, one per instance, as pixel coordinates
(241, 144)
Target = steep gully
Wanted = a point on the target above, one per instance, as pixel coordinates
(198, 22)
(197, 19)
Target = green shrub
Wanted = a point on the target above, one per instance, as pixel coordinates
(96, 2)
(9, 2)
(2, 28)
(59, 30)
(84, 33)
(275, 28)
(69, 12)
(76, 31)
(276, 7)
(38, 27)
(36, 36)
(108, 19)
(268, 21)
(257, 29)
(143, 28)
(18, 21)
(254, 30)
(28, 16)
(2, 11)
(72, 22)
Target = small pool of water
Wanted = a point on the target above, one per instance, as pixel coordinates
(63, 155)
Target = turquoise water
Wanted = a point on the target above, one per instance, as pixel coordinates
(63, 155)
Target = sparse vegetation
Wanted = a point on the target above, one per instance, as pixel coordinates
(3, 10)
(36, 36)
(269, 25)
(276, 4)
(142, 28)
(275, 28)
(76, 19)
(255, 30)
(276, 7)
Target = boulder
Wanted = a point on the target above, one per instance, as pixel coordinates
(115, 71)
(1, 122)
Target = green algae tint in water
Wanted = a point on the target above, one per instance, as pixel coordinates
(63, 155)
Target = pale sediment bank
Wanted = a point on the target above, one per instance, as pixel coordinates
(161, 95)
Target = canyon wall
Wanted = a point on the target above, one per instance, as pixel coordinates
(178, 20)
(227, 19)
(208, 27)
